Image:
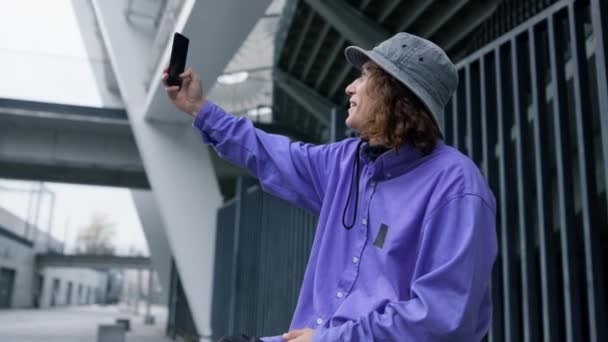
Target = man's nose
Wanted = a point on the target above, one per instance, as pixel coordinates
(350, 89)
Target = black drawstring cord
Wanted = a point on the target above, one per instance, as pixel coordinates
(355, 178)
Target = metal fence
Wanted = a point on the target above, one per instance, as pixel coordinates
(262, 248)
(179, 321)
(532, 111)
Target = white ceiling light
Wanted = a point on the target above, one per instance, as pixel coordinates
(260, 114)
(265, 110)
(233, 78)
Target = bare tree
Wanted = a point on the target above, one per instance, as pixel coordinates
(97, 236)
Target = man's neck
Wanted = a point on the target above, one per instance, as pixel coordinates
(375, 151)
(376, 143)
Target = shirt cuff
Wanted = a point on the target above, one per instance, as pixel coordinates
(202, 114)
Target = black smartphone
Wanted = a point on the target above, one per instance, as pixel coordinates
(177, 63)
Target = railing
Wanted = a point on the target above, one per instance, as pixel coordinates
(180, 322)
(531, 110)
(262, 249)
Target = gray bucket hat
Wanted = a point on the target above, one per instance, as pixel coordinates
(419, 64)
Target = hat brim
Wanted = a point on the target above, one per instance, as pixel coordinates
(357, 57)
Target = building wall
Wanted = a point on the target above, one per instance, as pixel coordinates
(20, 258)
(17, 252)
(93, 284)
(11, 222)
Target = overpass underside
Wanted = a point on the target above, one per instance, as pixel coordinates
(71, 144)
(93, 261)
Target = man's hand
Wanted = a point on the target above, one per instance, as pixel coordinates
(300, 335)
(189, 98)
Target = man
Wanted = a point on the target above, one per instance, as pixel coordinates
(406, 238)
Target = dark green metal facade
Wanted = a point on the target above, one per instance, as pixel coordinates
(532, 112)
(262, 248)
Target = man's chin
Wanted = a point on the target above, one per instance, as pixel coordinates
(350, 124)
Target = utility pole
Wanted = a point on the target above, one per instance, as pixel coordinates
(149, 319)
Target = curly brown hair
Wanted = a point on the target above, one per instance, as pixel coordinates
(400, 116)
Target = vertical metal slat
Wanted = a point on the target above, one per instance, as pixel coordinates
(461, 110)
(496, 331)
(530, 315)
(571, 292)
(485, 149)
(584, 139)
(512, 329)
(469, 115)
(543, 192)
(447, 128)
(455, 120)
(599, 18)
(475, 117)
(238, 212)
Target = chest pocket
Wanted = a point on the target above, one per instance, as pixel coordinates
(381, 236)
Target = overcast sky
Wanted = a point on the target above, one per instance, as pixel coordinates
(43, 58)
(43, 55)
(74, 207)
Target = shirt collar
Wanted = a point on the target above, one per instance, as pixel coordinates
(392, 163)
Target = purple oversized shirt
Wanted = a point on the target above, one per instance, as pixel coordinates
(416, 265)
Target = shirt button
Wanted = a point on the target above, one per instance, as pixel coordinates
(364, 222)
(372, 183)
(340, 294)
(319, 321)
(388, 175)
(355, 260)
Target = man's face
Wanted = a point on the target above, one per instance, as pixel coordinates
(360, 102)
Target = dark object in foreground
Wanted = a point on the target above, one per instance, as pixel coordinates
(125, 323)
(240, 338)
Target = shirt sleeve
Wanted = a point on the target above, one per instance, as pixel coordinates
(450, 288)
(295, 172)
(276, 338)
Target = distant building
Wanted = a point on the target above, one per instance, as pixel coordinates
(22, 285)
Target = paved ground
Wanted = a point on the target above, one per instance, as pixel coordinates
(76, 324)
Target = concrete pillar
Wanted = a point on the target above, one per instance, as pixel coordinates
(178, 166)
(156, 236)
